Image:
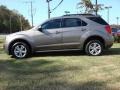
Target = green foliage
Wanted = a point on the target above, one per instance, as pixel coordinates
(86, 6)
(11, 21)
(116, 38)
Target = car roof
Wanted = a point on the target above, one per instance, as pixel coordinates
(75, 15)
(82, 15)
(72, 16)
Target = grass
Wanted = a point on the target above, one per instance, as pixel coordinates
(61, 71)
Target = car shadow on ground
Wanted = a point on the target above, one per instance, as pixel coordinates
(59, 53)
(112, 51)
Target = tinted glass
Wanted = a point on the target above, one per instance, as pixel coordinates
(73, 22)
(83, 23)
(53, 24)
(98, 20)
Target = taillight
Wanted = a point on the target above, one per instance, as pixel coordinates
(108, 29)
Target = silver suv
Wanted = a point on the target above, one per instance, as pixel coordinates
(69, 32)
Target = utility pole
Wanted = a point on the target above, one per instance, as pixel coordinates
(49, 11)
(108, 12)
(20, 18)
(31, 12)
(10, 23)
(117, 20)
(96, 7)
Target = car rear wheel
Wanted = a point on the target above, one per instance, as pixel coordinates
(20, 50)
(94, 48)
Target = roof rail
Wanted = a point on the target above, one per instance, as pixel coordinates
(79, 14)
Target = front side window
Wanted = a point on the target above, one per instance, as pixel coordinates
(53, 24)
(73, 22)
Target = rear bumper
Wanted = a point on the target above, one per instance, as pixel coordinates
(109, 46)
(109, 42)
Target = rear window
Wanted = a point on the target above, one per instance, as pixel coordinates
(98, 20)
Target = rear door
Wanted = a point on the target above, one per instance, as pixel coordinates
(73, 28)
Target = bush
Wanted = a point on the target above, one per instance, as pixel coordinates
(116, 38)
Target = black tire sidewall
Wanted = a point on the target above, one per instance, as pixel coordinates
(20, 43)
(89, 43)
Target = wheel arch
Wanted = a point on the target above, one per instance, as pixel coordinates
(95, 37)
(19, 40)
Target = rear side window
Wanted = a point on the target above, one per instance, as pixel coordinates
(98, 20)
(73, 22)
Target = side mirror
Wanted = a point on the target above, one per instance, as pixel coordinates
(40, 29)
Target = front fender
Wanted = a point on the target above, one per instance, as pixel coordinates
(11, 38)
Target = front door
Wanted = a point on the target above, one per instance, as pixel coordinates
(50, 38)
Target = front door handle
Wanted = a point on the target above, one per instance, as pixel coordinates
(58, 32)
(83, 29)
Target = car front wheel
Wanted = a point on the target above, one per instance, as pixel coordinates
(94, 48)
(20, 50)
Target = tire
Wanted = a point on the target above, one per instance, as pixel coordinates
(94, 48)
(20, 50)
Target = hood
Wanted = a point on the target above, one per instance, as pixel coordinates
(20, 33)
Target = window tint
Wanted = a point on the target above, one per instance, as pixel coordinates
(98, 20)
(53, 24)
(83, 23)
(73, 22)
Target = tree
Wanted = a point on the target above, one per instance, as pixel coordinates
(88, 7)
(10, 21)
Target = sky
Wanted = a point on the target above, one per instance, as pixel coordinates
(40, 8)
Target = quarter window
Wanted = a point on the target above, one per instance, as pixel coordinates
(98, 20)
